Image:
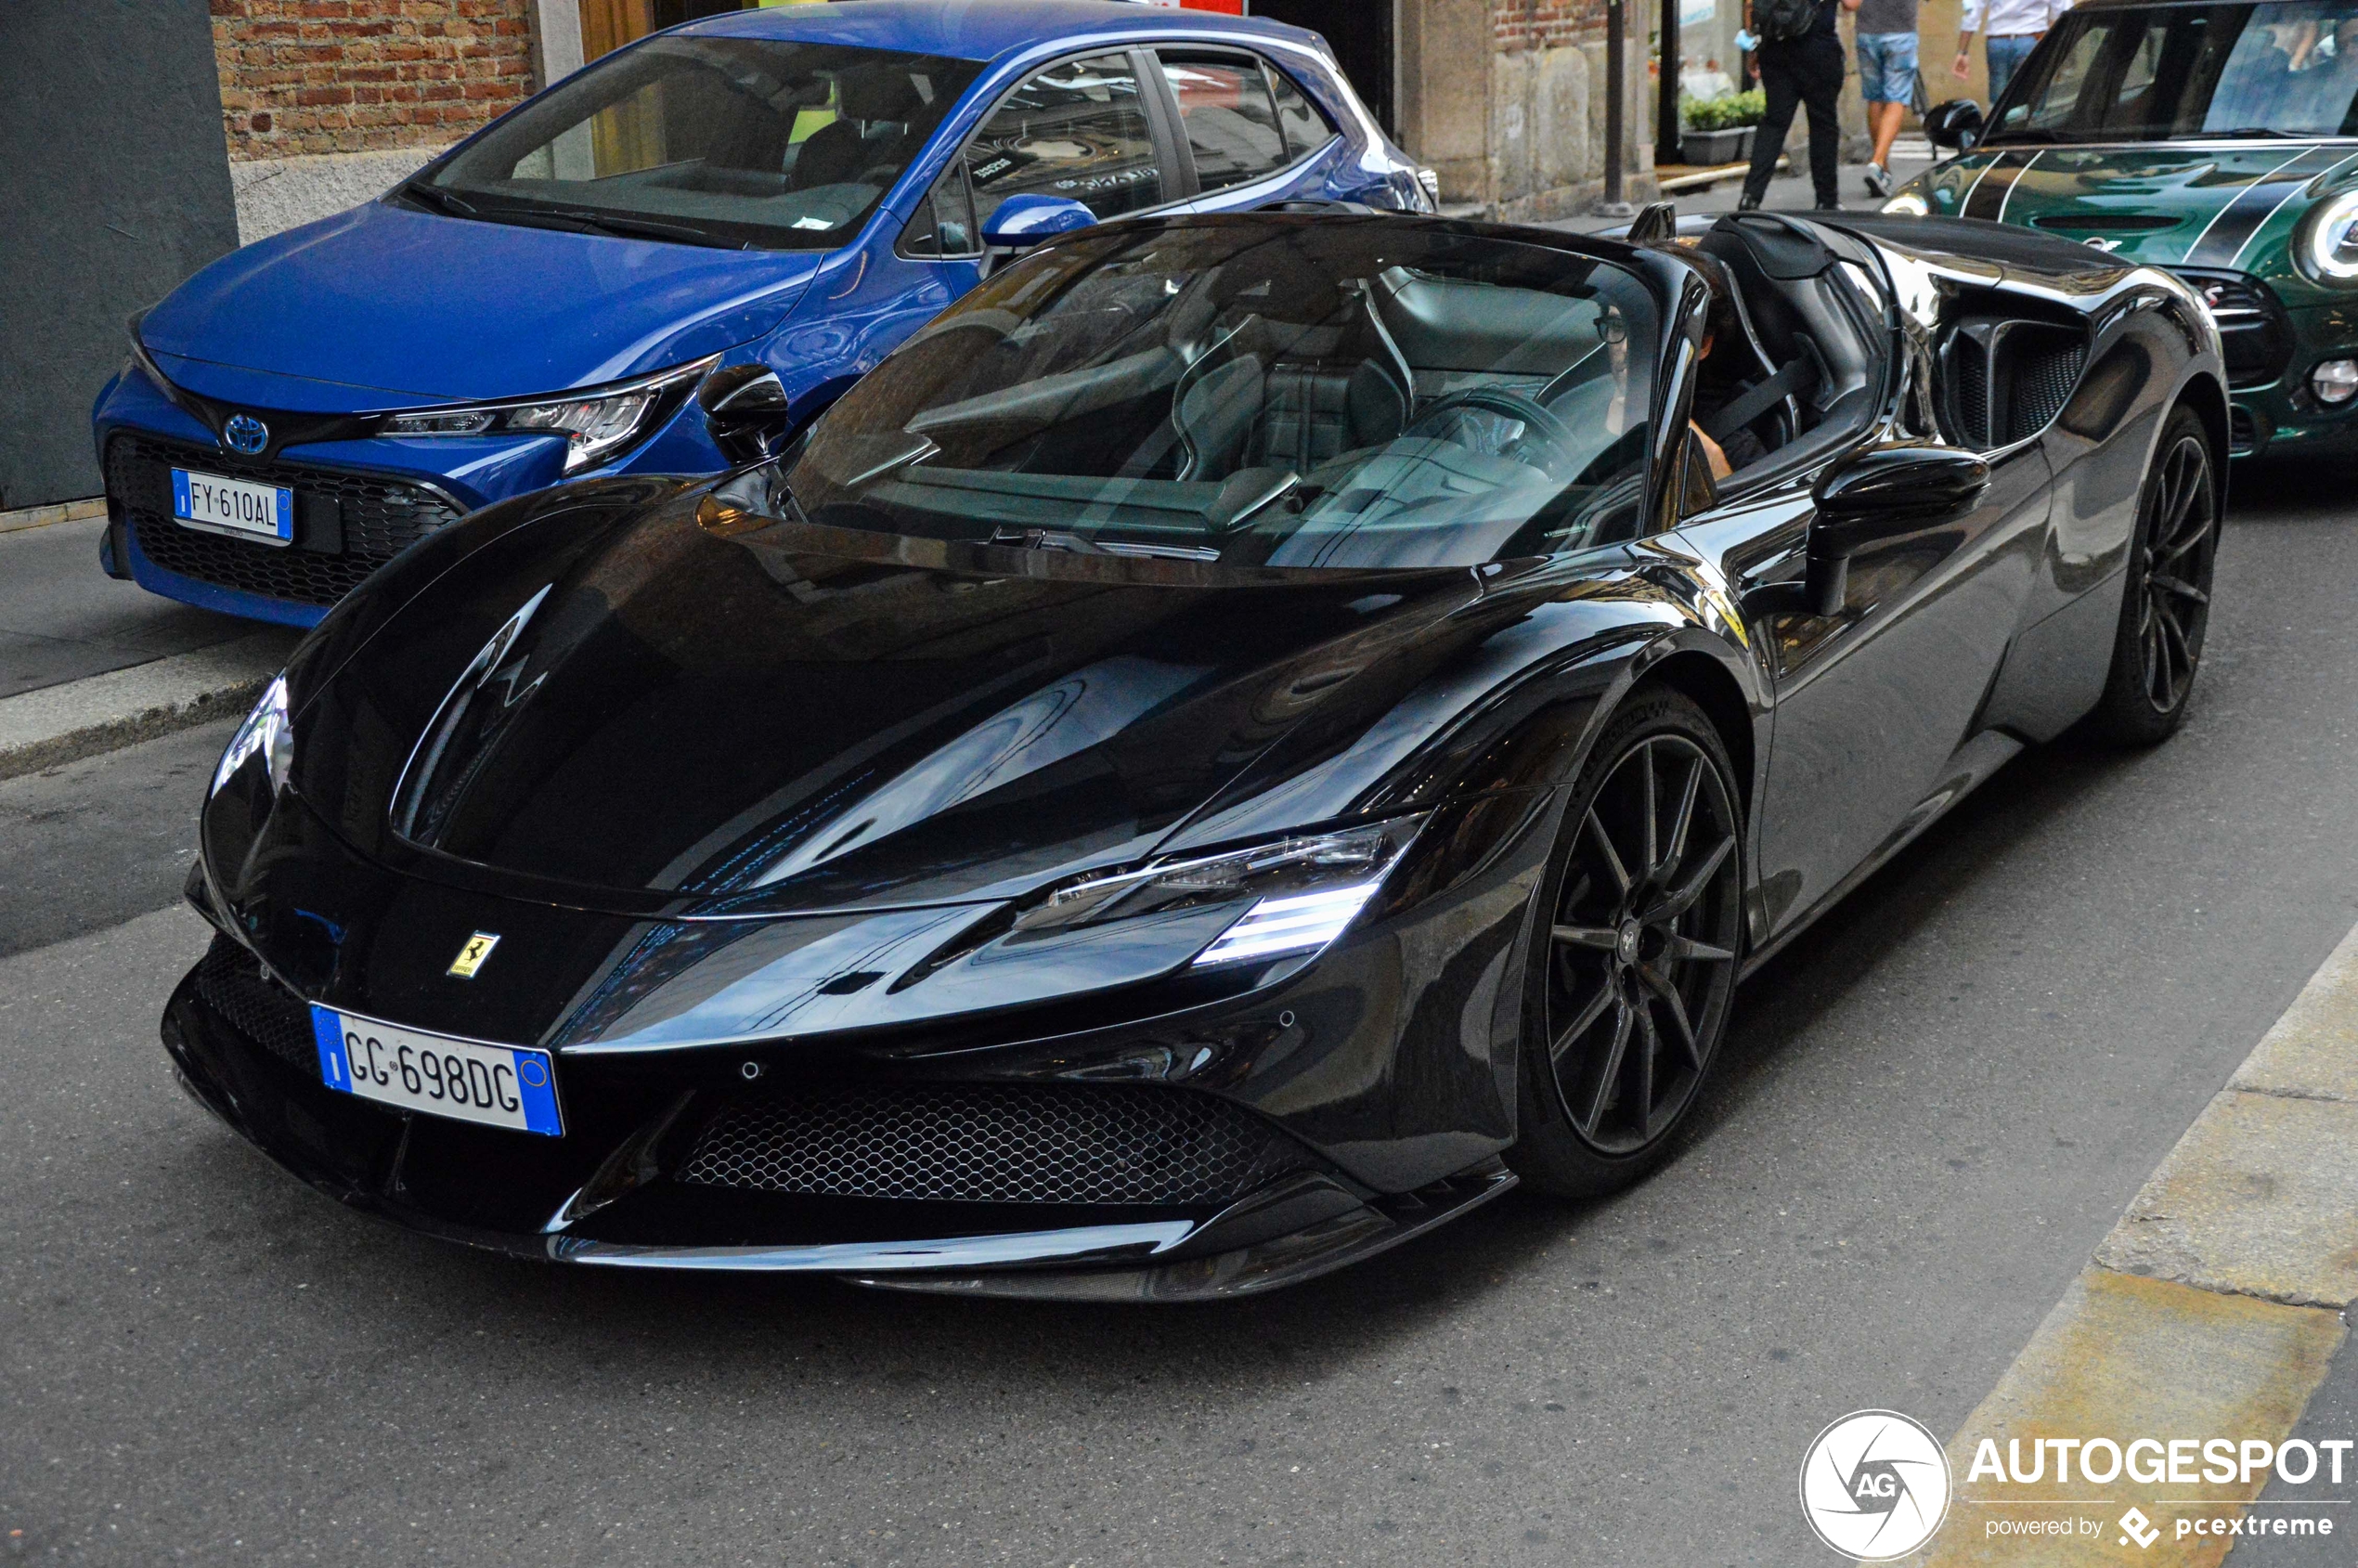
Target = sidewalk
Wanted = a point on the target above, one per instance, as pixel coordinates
(88, 663)
(61, 619)
(1789, 192)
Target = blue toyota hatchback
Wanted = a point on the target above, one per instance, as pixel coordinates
(794, 190)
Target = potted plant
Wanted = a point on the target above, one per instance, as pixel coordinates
(1719, 130)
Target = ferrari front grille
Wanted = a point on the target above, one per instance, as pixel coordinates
(988, 1142)
(231, 982)
(346, 523)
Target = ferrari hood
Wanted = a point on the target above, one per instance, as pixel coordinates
(382, 306)
(2170, 205)
(797, 717)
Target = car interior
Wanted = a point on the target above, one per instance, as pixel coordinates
(756, 139)
(1810, 364)
(1406, 415)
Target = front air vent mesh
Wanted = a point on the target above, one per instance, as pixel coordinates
(987, 1143)
(2008, 378)
(231, 982)
(2042, 373)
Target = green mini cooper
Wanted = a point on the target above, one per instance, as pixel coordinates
(2220, 141)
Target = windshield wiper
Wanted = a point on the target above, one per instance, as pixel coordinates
(634, 228)
(429, 194)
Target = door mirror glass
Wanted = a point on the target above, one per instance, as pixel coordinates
(1076, 131)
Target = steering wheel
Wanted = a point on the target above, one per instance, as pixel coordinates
(1536, 421)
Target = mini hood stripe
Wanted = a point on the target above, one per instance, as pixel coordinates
(2256, 203)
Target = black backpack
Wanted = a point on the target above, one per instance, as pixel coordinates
(1780, 21)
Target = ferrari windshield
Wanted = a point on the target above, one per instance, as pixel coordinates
(757, 142)
(2184, 71)
(1272, 392)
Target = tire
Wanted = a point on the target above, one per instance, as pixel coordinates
(1633, 967)
(2165, 605)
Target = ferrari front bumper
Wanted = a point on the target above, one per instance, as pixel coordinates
(609, 1192)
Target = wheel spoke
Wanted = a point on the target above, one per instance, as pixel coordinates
(1683, 822)
(1684, 948)
(1619, 872)
(1683, 896)
(1646, 769)
(1649, 1049)
(2183, 590)
(1586, 1021)
(1605, 939)
(2174, 639)
(1684, 1031)
(1613, 1055)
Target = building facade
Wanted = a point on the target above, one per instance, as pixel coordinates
(326, 102)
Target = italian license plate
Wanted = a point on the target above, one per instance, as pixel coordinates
(498, 1085)
(221, 505)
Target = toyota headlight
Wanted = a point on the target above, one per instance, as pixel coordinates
(2325, 245)
(267, 733)
(1303, 891)
(596, 425)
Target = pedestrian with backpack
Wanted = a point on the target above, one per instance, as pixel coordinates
(1800, 59)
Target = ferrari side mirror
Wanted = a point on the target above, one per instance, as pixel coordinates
(745, 411)
(1895, 490)
(1956, 124)
(1878, 494)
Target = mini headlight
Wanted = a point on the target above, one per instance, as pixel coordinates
(2326, 245)
(2335, 380)
(1910, 203)
(267, 732)
(595, 427)
(1304, 891)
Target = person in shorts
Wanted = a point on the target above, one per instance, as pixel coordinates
(1886, 48)
(2015, 28)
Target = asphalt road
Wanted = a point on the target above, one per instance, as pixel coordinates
(1936, 1104)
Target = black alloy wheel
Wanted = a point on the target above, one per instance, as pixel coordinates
(2166, 607)
(1636, 965)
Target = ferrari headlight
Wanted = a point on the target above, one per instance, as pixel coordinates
(267, 733)
(2326, 243)
(1303, 891)
(596, 426)
(1908, 204)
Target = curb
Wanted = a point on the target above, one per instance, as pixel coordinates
(41, 729)
(2212, 1309)
(56, 511)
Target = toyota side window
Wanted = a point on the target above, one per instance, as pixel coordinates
(943, 224)
(1076, 130)
(1306, 129)
(1231, 121)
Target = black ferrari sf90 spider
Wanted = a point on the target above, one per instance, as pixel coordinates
(1244, 739)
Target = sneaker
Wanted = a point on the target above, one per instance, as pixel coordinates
(1829, 206)
(1747, 202)
(1878, 180)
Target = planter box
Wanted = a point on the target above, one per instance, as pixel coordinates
(1705, 149)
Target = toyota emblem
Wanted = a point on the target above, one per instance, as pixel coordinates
(243, 432)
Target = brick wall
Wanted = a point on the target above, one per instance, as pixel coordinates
(306, 76)
(1517, 25)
